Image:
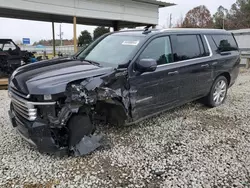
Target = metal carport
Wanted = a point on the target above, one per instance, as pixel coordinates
(111, 13)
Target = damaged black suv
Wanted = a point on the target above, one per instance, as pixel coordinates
(121, 78)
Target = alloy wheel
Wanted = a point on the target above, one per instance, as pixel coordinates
(220, 91)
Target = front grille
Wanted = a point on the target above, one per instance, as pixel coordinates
(19, 121)
(25, 108)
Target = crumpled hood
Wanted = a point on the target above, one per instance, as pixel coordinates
(52, 77)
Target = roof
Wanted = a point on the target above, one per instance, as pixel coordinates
(194, 30)
(101, 13)
(160, 3)
(5, 40)
(177, 31)
(241, 31)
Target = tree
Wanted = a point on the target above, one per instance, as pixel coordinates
(198, 17)
(99, 31)
(85, 38)
(220, 18)
(179, 23)
(47, 42)
(240, 14)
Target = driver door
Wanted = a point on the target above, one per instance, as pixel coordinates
(154, 92)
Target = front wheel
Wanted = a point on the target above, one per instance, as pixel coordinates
(218, 92)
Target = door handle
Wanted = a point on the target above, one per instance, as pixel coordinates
(225, 53)
(173, 73)
(205, 66)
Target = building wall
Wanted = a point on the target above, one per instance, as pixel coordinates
(126, 10)
(243, 40)
(243, 37)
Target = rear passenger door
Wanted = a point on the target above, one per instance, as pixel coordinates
(153, 92)
(192, 54)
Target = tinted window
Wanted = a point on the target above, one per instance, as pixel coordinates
(225, 42)
(188, 47)
(160, 50)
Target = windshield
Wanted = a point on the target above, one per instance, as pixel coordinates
(111, 50)
(7, 46)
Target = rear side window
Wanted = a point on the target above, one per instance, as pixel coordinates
(188, 47)
(225, 43)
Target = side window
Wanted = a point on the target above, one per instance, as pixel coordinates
(225, 43)
(158, 49)
(188, 47)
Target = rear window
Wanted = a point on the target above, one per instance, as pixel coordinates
(188, 47)
(225, 43)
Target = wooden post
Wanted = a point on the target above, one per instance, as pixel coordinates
(75, 39)
(115, 25)
(54, 42)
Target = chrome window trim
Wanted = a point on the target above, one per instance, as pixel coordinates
(199, 58)
(209, 47)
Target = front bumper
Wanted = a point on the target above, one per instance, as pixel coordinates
(37, 133)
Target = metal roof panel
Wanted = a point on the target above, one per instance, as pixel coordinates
(156, 2)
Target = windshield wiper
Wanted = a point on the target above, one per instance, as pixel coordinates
(73, 57)
(91, 62)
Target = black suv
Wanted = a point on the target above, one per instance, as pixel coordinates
(121, 78)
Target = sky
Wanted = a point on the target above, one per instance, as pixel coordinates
(18, 29)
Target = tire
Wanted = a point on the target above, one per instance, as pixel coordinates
(79, 126)
(220, 86)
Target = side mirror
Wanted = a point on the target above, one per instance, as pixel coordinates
(146, 65)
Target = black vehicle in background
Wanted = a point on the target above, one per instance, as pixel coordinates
(12, 57)
(121, 78)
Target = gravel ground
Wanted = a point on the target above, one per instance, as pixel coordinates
(191, 146)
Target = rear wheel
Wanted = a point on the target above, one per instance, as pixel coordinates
(218, 92)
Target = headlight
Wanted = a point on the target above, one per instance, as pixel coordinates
(47, 97)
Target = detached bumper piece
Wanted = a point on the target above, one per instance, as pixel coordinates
(87, 145)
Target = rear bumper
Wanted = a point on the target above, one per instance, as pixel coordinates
(37, 134)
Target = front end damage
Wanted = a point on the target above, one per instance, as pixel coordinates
(69, 125)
